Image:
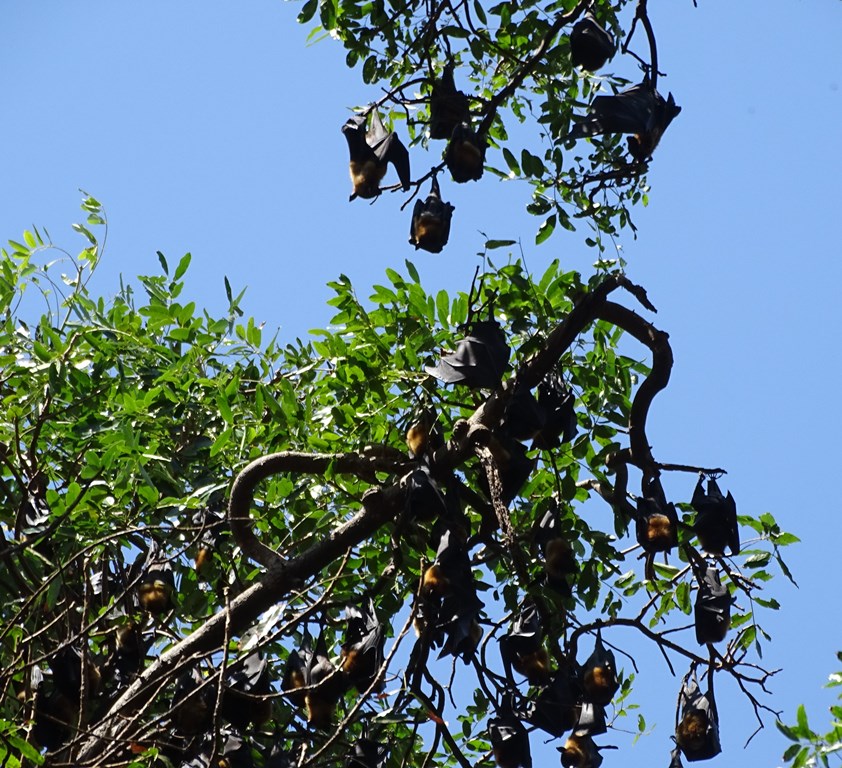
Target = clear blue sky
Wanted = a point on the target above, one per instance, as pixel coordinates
(210, 127)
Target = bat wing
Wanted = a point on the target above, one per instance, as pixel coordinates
(391, 150)
(355, 134)
(630, 111)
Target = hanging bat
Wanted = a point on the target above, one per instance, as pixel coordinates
(362, 652)
(371, 150)
(423, 436)
(509, 740)
(367, 753)
(66, 667)
(523, 417)
(458, 621)
(320, 702)
(448, 107)
(295, 677)
(639, 110)
(713, 607)
(465, 154)
(590, 45)
(210, 522)
(580, 752)
(559, 558)
(513, 466)
(523, 647)
(554, 709)
(480, 358)
(156, 587)
(697, 733)
(656, 520)
(599, 674)
(192, 704)
(590, 720)
(246, 697)
(424, 499)
(53, 713)
(716, 519)
(430, 228)
(556, 401)
(235, 753)
(128, 653)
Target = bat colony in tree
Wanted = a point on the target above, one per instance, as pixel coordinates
(330, 690)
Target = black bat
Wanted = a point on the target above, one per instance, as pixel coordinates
(559, 558)
(423, 436)
(448, 107)
(591, 720)
(424, 499)
(716, 519)
(211, 524)
(513, 466)
(590, 45)
(523, 417)
(372, 148)
(509, 740)
(367, 753)
(657, 522)
(295, 676)
(554, 709)
(246, 698)
(713, 607)
(235, 753)
(556, 400)
(192, 704)
(322, 684)
(430, 228)
(362, 652)
(599, 675)
(697, 733)
(639, 110)
(480, 358)
(523, 647)
(66, 667)
(580, 752)
(156, 588)
(128, 653)
(465, 154)
(53, 713)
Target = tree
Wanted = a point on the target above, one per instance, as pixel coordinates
(148, 561)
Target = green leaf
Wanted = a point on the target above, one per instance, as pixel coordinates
(545, 230)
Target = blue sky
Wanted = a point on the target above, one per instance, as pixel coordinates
(213, 128)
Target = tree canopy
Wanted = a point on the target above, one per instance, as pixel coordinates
(409, 538)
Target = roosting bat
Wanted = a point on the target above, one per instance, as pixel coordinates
(590, 720)
(192, 704)
(713, 607)
(697, 733)
(157, 586)
(367, 753)
(559, 558)
(362, 652)
(716, 519)
(246, 698)
(448, 107)
(371, 150)
(430, 228)
(465, 154)
(657, 521)
(509, 740)
(590, 45)
(480, 358)
(524, 417)
(556, 400)
(523, 647)
(599, 675)
(554, 708)
(639, 110)
(580, 752)
(513, 467)
(313, 670)
(424, 499)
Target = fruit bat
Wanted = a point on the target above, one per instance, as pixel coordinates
(328, 685)
(556, 400)
(559, 559)
(697, 733)
(235, 753)
(430, 228)
(192, 704)
(590, 45)
(128, 653)
(554, 708)
(423, 436)
(590, 720)
(509, 740)
(523, 648)
(424, 499)
(54, 713)
(480, 358)
(580, 752)
(246, 698)
(371, 150)
(523, 417)
(639, 110)
(66, 667)
(513, 467)
(210, 522)
(465, 154)
(156, 587)
(367, 753)
(362, 652)
(713, 607)
(295, 677)
(448, 107)
(716, 519)
(599, 675)
(657, 520)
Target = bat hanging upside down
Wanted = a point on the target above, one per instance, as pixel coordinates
(371, 150)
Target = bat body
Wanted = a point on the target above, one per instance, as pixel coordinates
(639, 110)
(554, 709)
(524, 417)
(559, 558)
(480, 358)
(697, 733)
(657, 520)
(513, 467)
(590, 45)
(424, 499)
(465, 154)
(716, 519)
(599, 675)
(246, 698)
(320, 702)
(423, 436)
(580, 752)
(523, 647)
(430, 228)
(372, 148)
(367, 753)
(192, 706)
(156, 588)
(556, 401)
(591, 720)
(362, 652)
(448, 107)
(509, 740)
(712, 611)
